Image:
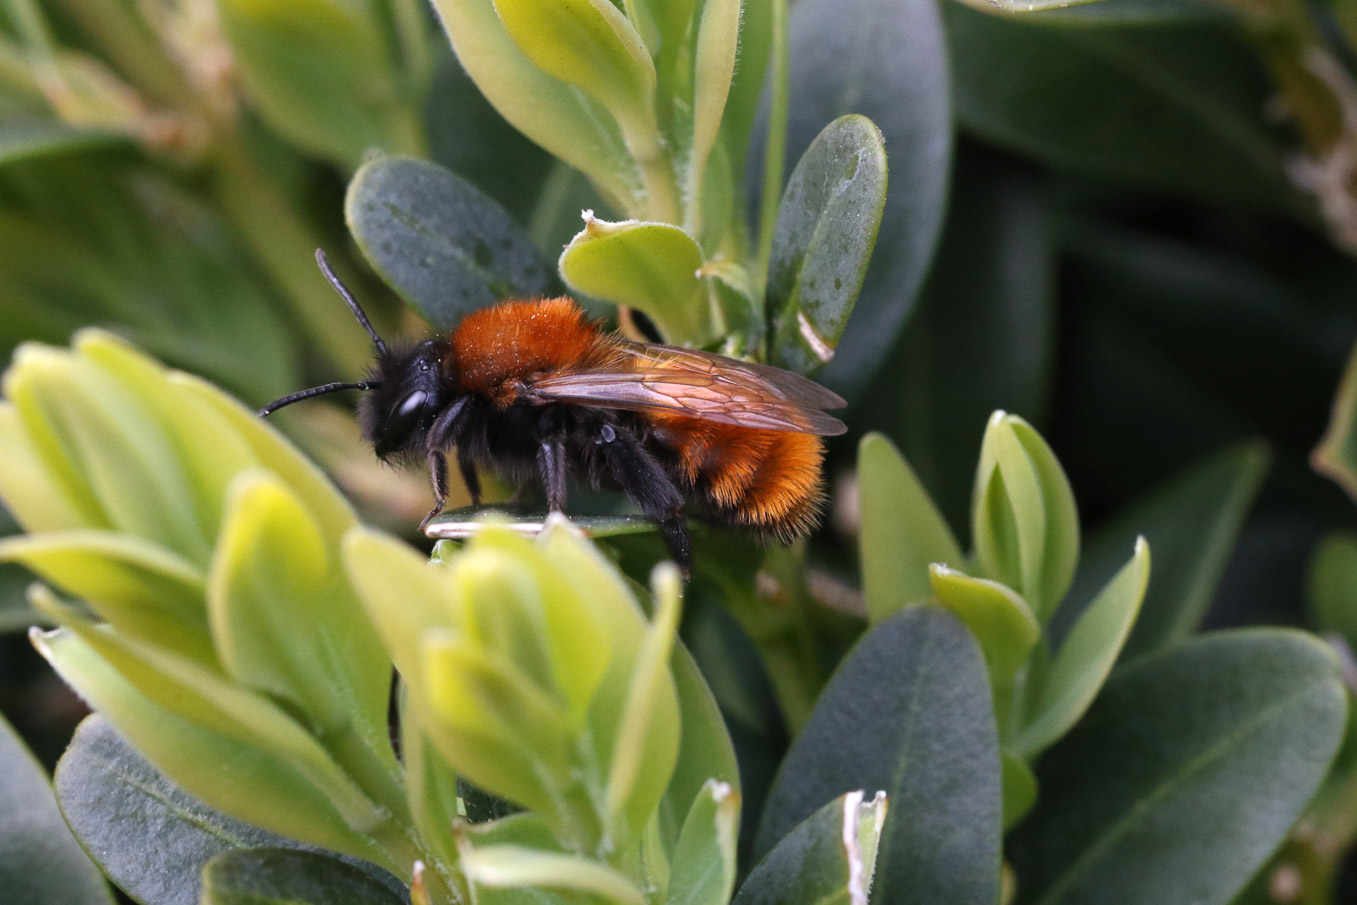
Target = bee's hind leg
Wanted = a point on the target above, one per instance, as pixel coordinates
(643, 478)
(469, 476)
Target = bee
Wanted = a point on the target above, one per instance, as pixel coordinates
(532, 390)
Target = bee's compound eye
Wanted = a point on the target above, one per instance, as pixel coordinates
(405, 414)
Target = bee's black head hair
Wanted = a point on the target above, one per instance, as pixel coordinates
(406, 396)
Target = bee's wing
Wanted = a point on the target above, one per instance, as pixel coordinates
(700, 385)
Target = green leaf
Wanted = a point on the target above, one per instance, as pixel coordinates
(706, 753)
(1078, 95)
(1020, 788)
(717, 40)
(280, 780)
(1188, 771)
(284, 619)
(908, 712)
(118, 804)
(39, 859)
(562, 119)
(999, 619)
(142, 589)
(887, 61)
(281, 876)
(589, 44)
(520, 867)
(902, 531)
(296, 58)
(826, 229)
(1191, 522)
(1024, 522)
(1059, 694)
(1336, 455)
(649, 266)
(702, 869)
(22, 139)
(1332, 585)
(440, 244)
(648, 737)
(827, 859)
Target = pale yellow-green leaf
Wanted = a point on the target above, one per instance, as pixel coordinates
(268, 573)
(211, 451)
(332, 512)
(139, 588)
(403, 593)
(647, 743)
(247, 781)
(998, 617)
(589, 44)
(1064, 690)
(209, 700)
(561, 118)
(519, 867)
(717, 41)
(32, 489)
(649, 266)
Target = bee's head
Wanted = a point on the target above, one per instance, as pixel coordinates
(406, 394)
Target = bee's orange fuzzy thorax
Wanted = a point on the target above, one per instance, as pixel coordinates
(493, 348)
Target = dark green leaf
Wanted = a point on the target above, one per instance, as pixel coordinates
(1172, 108)
(827, 859)
(147, 834)
(885, 59)
(826, 229)
(1332, 585)
(438, 242)
(39, 859)
(1186, 773)
(1191, 523)
(22, 139)
(907, 712)
(280, 876)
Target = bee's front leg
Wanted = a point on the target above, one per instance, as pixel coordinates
(438, 477)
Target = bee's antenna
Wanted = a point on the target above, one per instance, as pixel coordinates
(347, 296)
(298, 396)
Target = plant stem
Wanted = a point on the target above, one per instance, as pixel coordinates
(775, 152)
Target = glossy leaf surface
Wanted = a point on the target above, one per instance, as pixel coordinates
(1187, 773)
(908, 712)
(445, 248)
(886, 60)
(826, 229)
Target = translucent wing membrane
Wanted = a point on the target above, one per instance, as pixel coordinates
(698, 384)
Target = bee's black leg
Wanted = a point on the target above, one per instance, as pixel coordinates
(647, 483)
(469, 477)
(438, 476)
(551, 464)
(551, 459)
(442, 434)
